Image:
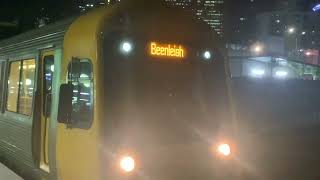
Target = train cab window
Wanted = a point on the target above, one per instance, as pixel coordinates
(21, 86)
(81, 76)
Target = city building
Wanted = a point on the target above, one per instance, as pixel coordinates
(85, 5)
(299, 30)
(292, 5)
(240, 19)
(188, 4)
(211, 12)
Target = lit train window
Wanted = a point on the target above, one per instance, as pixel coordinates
(13, 86)
(81, 76)
(26, 87)
(21, 86)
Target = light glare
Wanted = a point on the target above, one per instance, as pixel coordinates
(127, 164)
(291, 30)
(224, 149)
(126, 47)
(281, 74)
(28, 82)
(308, 53)
(207, 55)
(257, 48)
(258, 72)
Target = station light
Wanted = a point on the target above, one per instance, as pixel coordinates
(126, 47)
(291, 30)
(52, 68)
(127, 164)
(308, 53)
(257, 72)
(257, 49)
(28, 82)
(281, 74)
(224, 149)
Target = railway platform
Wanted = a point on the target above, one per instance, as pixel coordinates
(7, 174)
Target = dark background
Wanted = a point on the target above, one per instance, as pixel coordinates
(23, 15)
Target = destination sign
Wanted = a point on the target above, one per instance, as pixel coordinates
(167, 50)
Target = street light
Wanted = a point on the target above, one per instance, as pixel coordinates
(308, 53)
(291, 30)
(257, 48)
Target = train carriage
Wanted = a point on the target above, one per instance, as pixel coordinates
(132, 91)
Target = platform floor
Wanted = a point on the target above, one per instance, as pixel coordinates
(7, 174)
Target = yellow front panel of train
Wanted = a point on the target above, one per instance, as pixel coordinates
(78, 148)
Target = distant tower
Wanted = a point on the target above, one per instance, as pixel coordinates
(180, 3)
(210, 12)
(291, 5)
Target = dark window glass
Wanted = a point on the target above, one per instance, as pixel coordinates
(47, 83)
(81, 76)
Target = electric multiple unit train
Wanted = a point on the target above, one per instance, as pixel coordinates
(133, 91)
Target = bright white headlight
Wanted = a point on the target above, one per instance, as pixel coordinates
(207, 54)
(126, 47)
(127, 164)
(224, 149)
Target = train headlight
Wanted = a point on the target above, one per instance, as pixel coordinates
(207, 55)
(127, 164)
(224, 149)
(126, 47)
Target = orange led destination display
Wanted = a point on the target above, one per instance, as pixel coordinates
(167, 50)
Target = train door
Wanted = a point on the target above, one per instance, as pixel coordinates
(46, 77)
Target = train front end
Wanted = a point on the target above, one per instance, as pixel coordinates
(166, 104)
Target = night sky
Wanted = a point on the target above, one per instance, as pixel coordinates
(25, 12)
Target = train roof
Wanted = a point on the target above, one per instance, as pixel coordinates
(37, 37)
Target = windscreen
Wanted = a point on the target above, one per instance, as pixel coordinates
(162, 91)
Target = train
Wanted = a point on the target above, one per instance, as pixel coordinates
(133, 91)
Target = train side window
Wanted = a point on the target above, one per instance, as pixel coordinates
(21, 86)
(26, 87)
(82, 101)
(13, 86)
